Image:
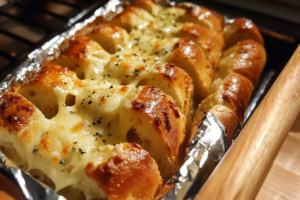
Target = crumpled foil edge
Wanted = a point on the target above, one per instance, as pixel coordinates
(30, 188)
(207, 148)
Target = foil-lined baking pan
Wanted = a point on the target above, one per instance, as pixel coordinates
(206, 149)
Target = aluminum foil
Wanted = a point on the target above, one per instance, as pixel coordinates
(206, 148)
(29, 187)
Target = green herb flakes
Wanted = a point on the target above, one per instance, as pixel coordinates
(81, 151)
(98, 134)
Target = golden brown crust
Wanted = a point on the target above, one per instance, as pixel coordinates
(107, 29)
(82, 55)
(228, 118)
(132, 173)
(241, 29)
(246, 58)
(40, 90)
(150, 5)
(190, 57)
(163, 112)
(131, 17)
(79, 48)
(15, 112)
(55, 76)
(211, 42)
(181, 80)
(251, 66)
(205, 17)
(236, 92)
(109, 36)
(229, 103)
(198, 119)
(170, 71)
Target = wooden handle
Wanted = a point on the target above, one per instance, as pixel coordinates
(245, 166)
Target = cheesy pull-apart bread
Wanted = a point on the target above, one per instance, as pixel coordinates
(108, 115)
(238, 70)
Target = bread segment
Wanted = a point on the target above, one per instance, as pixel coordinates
(211, 42)
(233, 92)
(133, 18)
(16, 113)
(84, 56)
(239, 29)
(246, 57)
(190, 57)
(204, 17)
(154, 112)
(109, 36)
(128, 175)
(50, 89)
(238, 70)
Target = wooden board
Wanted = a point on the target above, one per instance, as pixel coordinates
(283, 180)
(245, 166)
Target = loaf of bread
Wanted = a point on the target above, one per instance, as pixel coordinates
(238, 70)
(108, 115)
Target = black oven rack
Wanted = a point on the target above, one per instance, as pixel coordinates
(27, 24)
